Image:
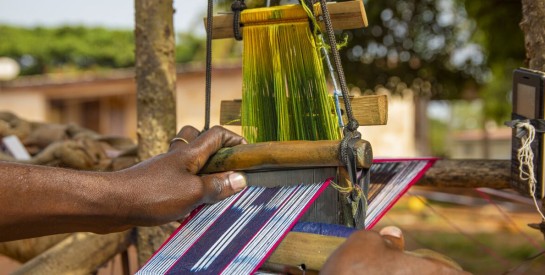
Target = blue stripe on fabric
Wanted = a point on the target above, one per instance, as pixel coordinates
(333, 230)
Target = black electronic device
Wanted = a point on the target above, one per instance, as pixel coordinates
(528, 105)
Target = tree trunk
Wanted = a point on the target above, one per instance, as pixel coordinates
(156, 87)
(533, 26)
(421, 125)
(468, 173)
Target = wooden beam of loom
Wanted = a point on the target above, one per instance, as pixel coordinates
(285, 154)
(344, 16)
(368, 110)
(304, 248)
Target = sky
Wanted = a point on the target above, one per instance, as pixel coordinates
(104, 13)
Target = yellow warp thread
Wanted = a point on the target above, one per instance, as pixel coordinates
(342, 189)
(285, 94)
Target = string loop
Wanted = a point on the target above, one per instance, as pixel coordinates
(525, 156)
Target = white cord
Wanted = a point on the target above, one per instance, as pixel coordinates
(526, 158)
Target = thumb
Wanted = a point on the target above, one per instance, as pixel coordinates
(222, 185)
(393, 237)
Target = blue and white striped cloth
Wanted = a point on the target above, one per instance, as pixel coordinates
(235, 235)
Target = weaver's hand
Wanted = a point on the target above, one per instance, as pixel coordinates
(369, 252)
(39, 200)
(166, 188)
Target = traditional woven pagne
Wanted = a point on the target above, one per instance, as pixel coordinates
(235, 235)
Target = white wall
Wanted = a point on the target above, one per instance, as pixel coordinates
(31, 106)
(396, 139)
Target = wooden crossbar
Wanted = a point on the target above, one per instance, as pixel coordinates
(344, 16)
(368, 110)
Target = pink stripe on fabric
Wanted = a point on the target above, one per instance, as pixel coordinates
(379, 160)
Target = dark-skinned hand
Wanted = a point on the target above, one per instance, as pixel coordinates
(370, 252)
(39, 200)
(166, 187)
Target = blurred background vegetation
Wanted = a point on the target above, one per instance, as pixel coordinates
(440, 49)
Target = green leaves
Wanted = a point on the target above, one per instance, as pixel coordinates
(42, 50)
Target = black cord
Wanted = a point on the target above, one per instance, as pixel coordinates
(351, 135)
(209, 22)
(237, 7)
(353, 124)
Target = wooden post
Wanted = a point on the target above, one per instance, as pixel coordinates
(156, 106)
(533, 26)
(80, 253)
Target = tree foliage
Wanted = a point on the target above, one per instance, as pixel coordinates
(499, 33)
(41, 50)
(455, 48)
(421, 44)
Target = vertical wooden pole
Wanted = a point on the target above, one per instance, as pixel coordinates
(156, 87)
(533, 26)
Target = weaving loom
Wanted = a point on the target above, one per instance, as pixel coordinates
(285, 95)
(237, 235)
(285, 98)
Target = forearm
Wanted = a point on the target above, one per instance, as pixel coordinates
(37, 200)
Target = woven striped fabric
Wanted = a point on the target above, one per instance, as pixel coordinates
(390, 179)
(235, 235)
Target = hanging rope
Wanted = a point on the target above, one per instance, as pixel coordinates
(353, 124)
(237, 7)
(208, 89)
(350, 131)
